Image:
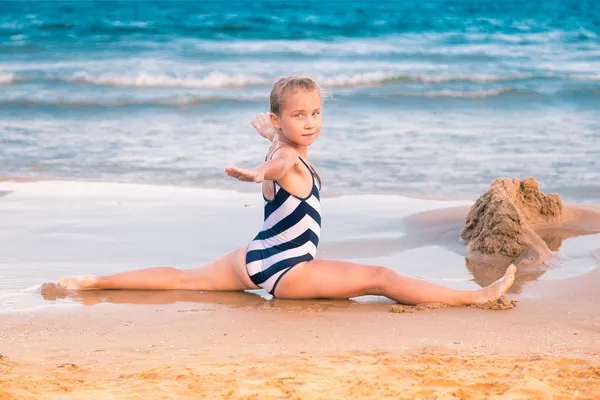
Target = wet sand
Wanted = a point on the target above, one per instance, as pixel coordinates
(171, 344)
(125, 344)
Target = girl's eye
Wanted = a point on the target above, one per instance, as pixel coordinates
(317, 113)
(298, 115)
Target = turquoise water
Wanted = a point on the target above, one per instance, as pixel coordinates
(432, 98)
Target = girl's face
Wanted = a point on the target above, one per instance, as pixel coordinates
(300, 120)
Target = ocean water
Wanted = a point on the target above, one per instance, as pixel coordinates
(432, 98)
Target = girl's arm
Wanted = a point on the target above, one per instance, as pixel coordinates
(272, 170)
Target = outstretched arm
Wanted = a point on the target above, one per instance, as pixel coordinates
(272, 170)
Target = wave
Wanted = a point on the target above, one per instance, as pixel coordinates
(188, 101)
(224, 81)
(467, 94)
(217, 80)
(494, 92)
(214, 80)
(587, 77)
(449, 44)
(220, 80)
(181, 101)
(382, 77)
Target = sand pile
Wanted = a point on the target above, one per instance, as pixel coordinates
(502, 303)
(500, 221)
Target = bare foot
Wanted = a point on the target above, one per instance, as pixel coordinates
(77, 282)
(496, 289)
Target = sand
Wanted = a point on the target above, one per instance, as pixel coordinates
(541, 341)
(354, 375)
(500, 304)
(127, 344)
(500, 221)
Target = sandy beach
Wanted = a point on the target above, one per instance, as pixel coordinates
(239, 345)
(170, 344)
(442, 132)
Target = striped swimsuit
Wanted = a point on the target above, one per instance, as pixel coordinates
(290, 235)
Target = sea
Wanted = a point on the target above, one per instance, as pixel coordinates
(129, 111)
(421, 98)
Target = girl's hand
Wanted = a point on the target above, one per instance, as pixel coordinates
(245, 175)
(264, 127)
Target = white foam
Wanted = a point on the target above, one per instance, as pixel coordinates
(403, 44)
(477, 78)
(136, 24)
(470, 94)
(360, 78)
(166, 101)
(160, 73)
(338, 75)
(213, 80)
(376, 77)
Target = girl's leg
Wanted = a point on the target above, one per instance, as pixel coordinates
(226, 273)
(340, 279)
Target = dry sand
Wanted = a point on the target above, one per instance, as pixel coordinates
(355, 375)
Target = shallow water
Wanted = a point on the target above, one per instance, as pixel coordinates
(52, 229)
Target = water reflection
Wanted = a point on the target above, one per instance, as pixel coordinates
(486, 270)
(256, 299)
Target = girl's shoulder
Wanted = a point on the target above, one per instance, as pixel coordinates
(278, 150)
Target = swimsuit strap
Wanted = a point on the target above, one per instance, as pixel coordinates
(275, 184)
(303, 162)
(273, 153)
(309, 168)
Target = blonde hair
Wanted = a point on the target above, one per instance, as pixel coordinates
(280, 92)
(286, 86)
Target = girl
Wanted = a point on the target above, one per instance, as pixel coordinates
(280, 259)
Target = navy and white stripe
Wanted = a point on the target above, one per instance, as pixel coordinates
(290, 235)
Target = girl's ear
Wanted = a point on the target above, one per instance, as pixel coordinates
(275, 121)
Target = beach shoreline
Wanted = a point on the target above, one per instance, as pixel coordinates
(166, 344)
(259, 348)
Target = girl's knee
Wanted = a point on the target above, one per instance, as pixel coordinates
(380, 279)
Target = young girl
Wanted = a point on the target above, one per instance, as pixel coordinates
(280, 259)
